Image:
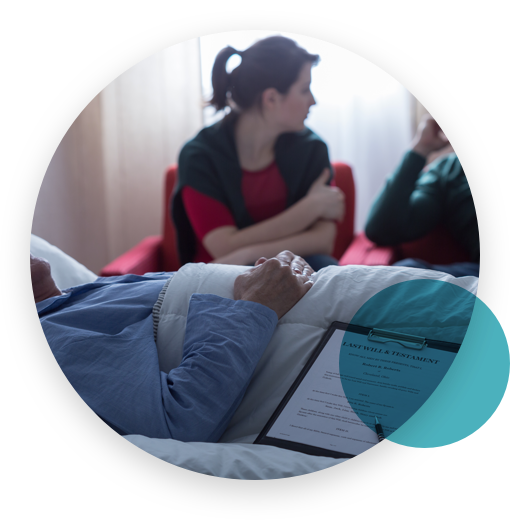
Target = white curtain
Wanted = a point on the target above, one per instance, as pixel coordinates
(103, 190)
(362, 113)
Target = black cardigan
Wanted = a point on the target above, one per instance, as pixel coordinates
(209, 164)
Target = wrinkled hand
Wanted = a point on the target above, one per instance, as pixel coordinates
(429, 137)
(278, 283)
(297, 264)
(330, 199)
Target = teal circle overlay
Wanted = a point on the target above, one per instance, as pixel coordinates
(469, 393)
(472, 387)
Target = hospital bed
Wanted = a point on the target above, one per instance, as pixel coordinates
(337, 294)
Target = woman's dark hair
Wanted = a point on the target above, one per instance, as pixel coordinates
(274, 62)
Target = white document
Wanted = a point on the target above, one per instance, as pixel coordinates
(318, 413)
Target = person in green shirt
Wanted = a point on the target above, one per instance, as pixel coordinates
(415, 200)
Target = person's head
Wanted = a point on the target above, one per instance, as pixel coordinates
(273, 77)
(43, 284)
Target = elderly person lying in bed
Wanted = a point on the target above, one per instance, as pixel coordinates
(101, 334)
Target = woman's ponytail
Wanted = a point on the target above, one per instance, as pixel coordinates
(273, 62)
(220, 78)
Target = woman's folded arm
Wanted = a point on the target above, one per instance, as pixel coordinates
(226, 239)
(317, 239)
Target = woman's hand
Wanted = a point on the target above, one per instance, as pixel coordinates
(330, 199)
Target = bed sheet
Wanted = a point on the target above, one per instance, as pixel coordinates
(233, 460)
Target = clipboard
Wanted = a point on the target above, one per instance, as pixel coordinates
(417, 347)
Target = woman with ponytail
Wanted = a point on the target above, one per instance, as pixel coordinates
(258, 182)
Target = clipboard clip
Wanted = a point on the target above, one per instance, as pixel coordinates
(406, 340)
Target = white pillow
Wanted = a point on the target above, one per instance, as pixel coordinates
(66, 271)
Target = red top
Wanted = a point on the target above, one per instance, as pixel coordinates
(265, 196)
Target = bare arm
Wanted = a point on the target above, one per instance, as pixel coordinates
(318, 239)
(227, 239)
(322, 201)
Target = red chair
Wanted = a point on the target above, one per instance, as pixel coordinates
(438, 247)
(159, 253)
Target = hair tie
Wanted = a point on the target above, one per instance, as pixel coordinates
(233, 65)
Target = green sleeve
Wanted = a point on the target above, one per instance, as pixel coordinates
(410, 204)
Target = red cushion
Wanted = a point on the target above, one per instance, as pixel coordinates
(145, 257)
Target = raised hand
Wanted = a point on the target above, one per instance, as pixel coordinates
(429, 137)
(330, 199)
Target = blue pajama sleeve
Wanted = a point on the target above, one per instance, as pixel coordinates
(224, 341)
